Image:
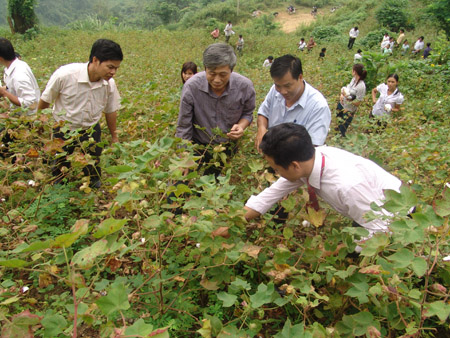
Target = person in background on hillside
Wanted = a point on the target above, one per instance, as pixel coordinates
(20, 88)
(387, 50)
(351, 97)
(347, 182)
(302, 45)
(358, 56)
(418, 46)
(391, 43)
(384, 42)
(354, 32)
(322, 54)
(400, 37)
(311, 44)
(228, 31)
(215, 34)
(292, 99)
(268, 62)
(405, 47)
(188, 70)
(240, 45)
(427, 51)
(216, 98)
(390, 97)
(82, 92)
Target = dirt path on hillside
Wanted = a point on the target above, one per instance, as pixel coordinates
(290, 22)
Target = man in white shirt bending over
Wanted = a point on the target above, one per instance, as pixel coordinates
(347, 182)
(82, 92)
(418, 46)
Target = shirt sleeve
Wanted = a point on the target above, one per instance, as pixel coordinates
(360, 91)
(113, 103)
(266, 106)
(399, 99)
(320, 124)
(185, 115)
(249, 104)
(25, 93)
(53, 88)
(269, 196)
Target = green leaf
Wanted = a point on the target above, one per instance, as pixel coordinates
(291, 331)
(14, 263)
(402, 258)
(442, 207)
(288, 233)
(109, 226)
(20, 325)
(356, 325)
(360, 291)
(38, 245)
(118, 169)
(53, 325)
(241, 284)
(262, 296)
(86, 257)
(227, 299)
(400, 202)
(419, 266)
(374, 244)
(139, 328)
(439, 308)
(115, 300)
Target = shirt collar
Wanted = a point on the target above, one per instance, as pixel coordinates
(83, 76)
(314, 178)
(12, 66)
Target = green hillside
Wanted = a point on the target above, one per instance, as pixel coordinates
(120, 262)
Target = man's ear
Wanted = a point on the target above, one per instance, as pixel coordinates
(295, 165)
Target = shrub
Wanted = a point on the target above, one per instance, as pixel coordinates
(391, 14)
(324, 33)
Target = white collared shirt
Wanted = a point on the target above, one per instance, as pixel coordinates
(396, 98)
(419, 45)
(20, 81)
(311, 111)
(349, 184)
(354, 33)
(79, 101)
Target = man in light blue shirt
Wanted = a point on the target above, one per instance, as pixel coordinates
(291, 99)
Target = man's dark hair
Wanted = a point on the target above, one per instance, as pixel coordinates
(287, 142)
(7, 50)
(284, 64)
(104, 50)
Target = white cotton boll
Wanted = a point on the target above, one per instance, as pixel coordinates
(388, 107)
(31, 183)
(142, 240)
(446, 184)
(345, 91)
(197, 245)
(24, 289)
(3, 200)
(306, 224)
(446, 259)
(410, 182)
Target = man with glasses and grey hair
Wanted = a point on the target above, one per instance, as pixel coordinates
(216, 99)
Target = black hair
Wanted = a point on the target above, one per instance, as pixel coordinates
(428, 44)
(359, 51)
(284, 64)
(359, 69)
(287, 142)
(394, 75)
(270, 57)
(422, 37)
(356, 27)
(188, 66)
(105, 50)
(324, 49)
(7, 50)
(302, 39)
